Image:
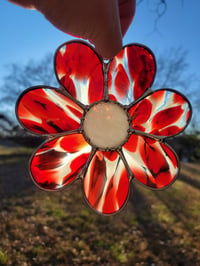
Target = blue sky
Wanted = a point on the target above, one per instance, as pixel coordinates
(25, 34)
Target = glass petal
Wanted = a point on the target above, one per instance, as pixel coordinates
(131, 73)
(47, 111)
(58, 162)
(152, 163)
(163, 113)
(79, 69)
(106, 183)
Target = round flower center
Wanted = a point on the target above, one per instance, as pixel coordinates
(106, 125)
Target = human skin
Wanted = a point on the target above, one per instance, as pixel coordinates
(102, 22)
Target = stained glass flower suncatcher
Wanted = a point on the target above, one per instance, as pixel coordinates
(104, 125)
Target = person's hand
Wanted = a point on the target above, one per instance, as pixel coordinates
(102, 22)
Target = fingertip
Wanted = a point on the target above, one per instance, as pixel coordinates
(109, 51)
(109, 47)
(107, 35)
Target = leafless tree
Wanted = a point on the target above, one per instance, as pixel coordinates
(172, 70)
(19, 78)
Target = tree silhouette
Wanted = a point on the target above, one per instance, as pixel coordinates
(19, 78)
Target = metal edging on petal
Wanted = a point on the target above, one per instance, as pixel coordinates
(79, 176)
(81, 42)
(162, 138)
(149, 187)
(127, 196)
(134, 45)
(60, 91)
(174, 179)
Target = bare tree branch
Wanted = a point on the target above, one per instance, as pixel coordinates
(158, 7)
(33, 73)
(172, 69)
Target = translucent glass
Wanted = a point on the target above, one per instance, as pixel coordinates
(59, 161)
(152, 163)
(78, 68)
(163, 113)
(106, 183)
(47, 111)
(131, 73)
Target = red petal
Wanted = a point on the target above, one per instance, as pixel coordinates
(47, 111)
(162, 113)
(106, 183)
(79, 70)
(129, 82)
(54, 166)
(152, 163)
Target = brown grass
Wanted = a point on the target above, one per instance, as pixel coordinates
(43, 228)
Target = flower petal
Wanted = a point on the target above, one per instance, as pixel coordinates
(58, 161)
(131, 73)
(46, 111)
(152, 163)
(163, 112)
(106, 184)
(79, 69)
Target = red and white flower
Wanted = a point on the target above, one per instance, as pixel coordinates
(69, 153)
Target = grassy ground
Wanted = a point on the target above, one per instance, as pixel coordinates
(43, 228)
